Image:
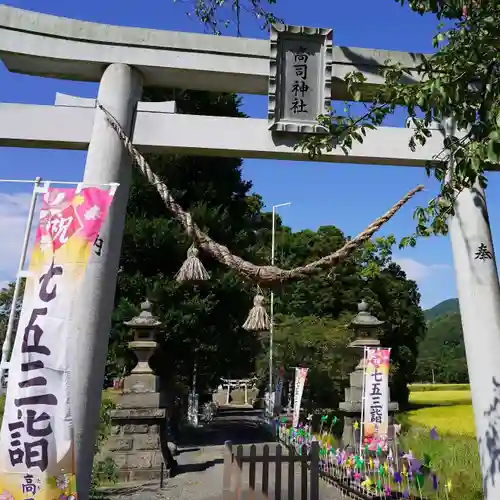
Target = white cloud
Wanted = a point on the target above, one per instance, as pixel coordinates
(13, 217)
(417, 271)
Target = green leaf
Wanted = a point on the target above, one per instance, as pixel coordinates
(476, 163)
(493, 155)
(405, 241)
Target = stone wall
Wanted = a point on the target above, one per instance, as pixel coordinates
(134, 443)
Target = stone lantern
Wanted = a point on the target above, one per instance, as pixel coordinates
(144, 327)
(365, 326)
(139, 417)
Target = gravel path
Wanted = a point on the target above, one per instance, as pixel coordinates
(201, 465)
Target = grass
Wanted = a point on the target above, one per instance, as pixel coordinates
(448, 420)
(454, 456)
(438, 387)
(440, 398)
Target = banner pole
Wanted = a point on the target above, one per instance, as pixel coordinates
(363, 398)
(7, 344)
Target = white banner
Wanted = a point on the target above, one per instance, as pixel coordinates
(36, 437)
(376, 398)
(300, 380)
(278, 393)
(193, 408)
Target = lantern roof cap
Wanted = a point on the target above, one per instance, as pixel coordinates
(145, 319)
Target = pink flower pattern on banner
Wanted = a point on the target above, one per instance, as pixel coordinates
(66, 212)
(379, 357)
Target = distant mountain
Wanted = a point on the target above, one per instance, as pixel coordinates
(445, 307)
(441, 354)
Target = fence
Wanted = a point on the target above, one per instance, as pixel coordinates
(271, 480)
(358, 477)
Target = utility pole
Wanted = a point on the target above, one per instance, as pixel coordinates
(271, 328)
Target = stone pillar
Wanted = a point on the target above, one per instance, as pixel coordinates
(135, 444)
(107, 161)
(479, 297)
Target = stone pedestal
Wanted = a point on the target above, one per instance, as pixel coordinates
(139, 419)
(135, 443)
(137, 422)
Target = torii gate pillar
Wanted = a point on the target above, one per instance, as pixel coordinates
(107, 161)
(479, 297)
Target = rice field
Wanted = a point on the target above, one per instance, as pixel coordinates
(441, 398)
(438, 387)
(454, 455)
(449, 410)
(449, 420)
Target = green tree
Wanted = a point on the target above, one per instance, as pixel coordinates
(201, 322)
(396, 300)
(460, 80)
(326, 294)
(221, 15)
(6, 297)
(442, 351)
(369, 274)
(319, 344)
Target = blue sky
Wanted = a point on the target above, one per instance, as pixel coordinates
(347, 196)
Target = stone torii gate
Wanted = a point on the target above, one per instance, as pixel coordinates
(123, 60)
(237, 383)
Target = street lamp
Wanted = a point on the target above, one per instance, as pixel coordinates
(271, 328)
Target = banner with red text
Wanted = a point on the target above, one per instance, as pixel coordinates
(300, 381)
(36, 437)
(376, 398)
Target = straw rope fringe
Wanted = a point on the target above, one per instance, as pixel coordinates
(264, 275)
(258, 319)
(192, 269)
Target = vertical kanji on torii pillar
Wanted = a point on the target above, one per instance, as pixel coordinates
(107, 161)
(479, 297)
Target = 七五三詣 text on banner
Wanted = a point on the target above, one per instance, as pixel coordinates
(36, 437)
(376, 398)
(300, 381)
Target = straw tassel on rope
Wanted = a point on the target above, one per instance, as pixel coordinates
(258, 319)
(265, 275)
(192, 269)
